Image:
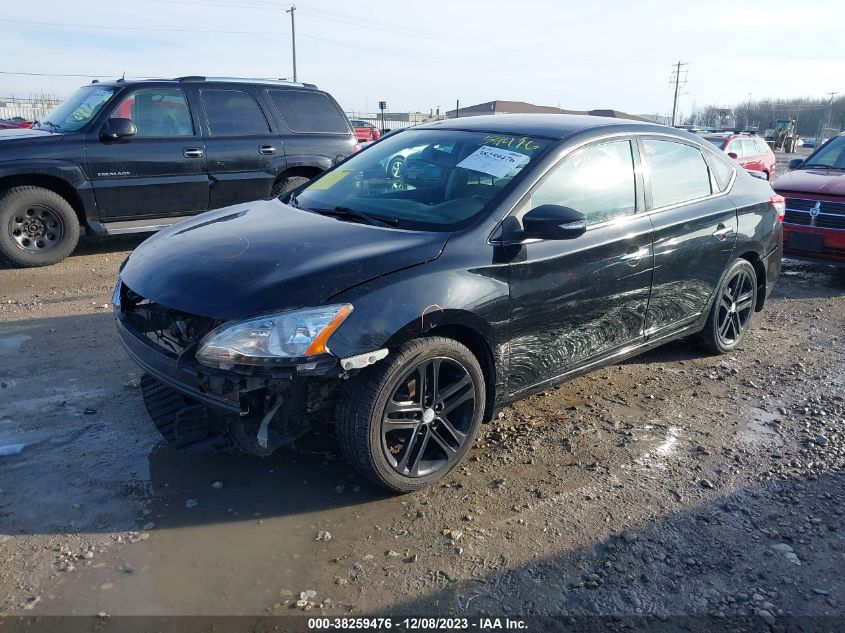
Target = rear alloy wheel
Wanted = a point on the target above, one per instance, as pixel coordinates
(730, 316)
(37, 226)
(409, 421)
(283, 185)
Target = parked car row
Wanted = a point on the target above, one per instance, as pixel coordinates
(506, 254)
(134, 156)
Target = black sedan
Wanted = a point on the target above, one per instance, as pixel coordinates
(512, 253)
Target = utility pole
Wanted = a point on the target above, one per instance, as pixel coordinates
(293, 36)
(678, 81)
(829, 114)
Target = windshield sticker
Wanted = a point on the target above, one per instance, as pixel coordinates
(493, 161)
(511, 142)
(330, 180)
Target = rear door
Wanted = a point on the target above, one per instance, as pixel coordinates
(159, 172)
(577, 300)
(753, 158)
(695, 227)
(244, 151)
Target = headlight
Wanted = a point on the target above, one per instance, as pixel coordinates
(268, 339)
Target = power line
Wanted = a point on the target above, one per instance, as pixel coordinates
(135, 28)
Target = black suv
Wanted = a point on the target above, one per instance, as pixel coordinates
(131, 156)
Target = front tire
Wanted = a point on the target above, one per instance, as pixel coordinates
(407, 422)
(38, 227)
(731, 313)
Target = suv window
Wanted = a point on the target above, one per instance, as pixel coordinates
(762, 146)
(157, 112)
(598, 181)
(735, 147)
(749, 147)
(233, 113)
(306, 111)
(677, 171)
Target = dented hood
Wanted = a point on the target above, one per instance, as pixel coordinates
(265, 256)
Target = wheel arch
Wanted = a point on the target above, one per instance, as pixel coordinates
(466, 330)
(54, 183)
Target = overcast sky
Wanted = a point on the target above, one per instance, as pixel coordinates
(421, 55)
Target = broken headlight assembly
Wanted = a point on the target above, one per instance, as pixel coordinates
(273, 338)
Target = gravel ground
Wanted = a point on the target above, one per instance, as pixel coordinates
(672, 484)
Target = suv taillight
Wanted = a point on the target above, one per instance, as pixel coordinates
(779, 203)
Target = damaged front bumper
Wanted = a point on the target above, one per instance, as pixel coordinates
(272, 406)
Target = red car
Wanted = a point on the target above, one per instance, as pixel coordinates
(814, 188)
(748, 150)
(365, 131)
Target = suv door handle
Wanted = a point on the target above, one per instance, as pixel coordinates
(722, 231)
(192, 152)
(633, 257)
(266, 149)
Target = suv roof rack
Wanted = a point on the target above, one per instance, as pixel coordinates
(265, 80)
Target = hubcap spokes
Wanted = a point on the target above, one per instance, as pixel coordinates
(36, 229)
(735, 306)
(428, 416)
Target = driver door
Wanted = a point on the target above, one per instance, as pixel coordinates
(576, 301)
(158, 172)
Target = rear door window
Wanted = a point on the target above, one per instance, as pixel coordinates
(735, 147)
(308, 111)
(749, 147)
(762, 146)
(233, 113)
(677, 172)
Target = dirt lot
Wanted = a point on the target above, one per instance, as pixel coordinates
(675, 483)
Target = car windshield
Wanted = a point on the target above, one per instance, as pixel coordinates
(77, 109)
(831, 155)
(432, 179)
(718, 142)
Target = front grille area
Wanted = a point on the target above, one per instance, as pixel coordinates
(171, 330)
(831, 215)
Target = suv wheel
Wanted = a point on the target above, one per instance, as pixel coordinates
(38, 227)
(730, 316)
(283, 185)
(407, 422)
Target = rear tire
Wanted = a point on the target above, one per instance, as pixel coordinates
(38, 227)
(283, 185)
(406, 422)
(732, 310)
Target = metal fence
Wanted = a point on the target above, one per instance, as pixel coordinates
(34, 108)
(393, 120)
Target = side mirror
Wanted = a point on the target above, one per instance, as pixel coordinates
(733, 155)
(795, 163)
(116, 129)
(546, 222)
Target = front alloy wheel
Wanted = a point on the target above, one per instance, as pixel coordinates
(407, 421)
(427, 417)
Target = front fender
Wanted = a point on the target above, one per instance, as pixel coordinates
(67, 173)
(409, 303)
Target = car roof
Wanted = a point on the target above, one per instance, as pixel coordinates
(552, 126)
(194, 79)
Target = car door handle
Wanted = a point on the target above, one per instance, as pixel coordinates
(633, 257)
(722, 232)
(266, 149)
(192, 152)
